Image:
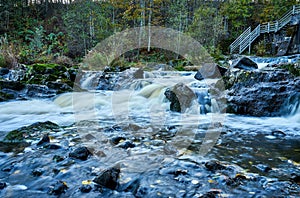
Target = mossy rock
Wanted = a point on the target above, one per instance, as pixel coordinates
(6, 96)
(20, 135)
(294, 69)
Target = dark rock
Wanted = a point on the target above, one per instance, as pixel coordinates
(2, 185)
(21, 134)
(245, 64)
(57, 158)
(278, 133)
(181, 97)
(59, 87)
(4, 71)
(261, 93)
(52, 146)
(59, 188)
(236, 181)
(85, 188)
(214, 165)
(45, 139)
(108, 178)
(33, 90)
(210, 71)
(81, 153)
(7, 94)
(117, 140)
(37, 172)
(13, 85)
(295, 178)
(210, 194)
(126, 145)
(263, 168)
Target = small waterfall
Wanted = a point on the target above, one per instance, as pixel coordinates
(90, 80)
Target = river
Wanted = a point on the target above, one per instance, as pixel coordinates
(168, 153)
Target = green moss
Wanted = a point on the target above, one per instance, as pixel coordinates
(292, 68)
(19, 135)
(6, 96)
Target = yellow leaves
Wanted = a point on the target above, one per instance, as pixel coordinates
(86, 182)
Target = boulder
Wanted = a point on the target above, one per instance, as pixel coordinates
(261, 93)
(210, 70)
(81, 153)
(181, 97)
(108, 178)
(245, 63)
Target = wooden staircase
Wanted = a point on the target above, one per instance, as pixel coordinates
(245, 40)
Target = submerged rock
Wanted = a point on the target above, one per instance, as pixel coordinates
(108, 178)
(59, 188)
(85, 188)
(2, 185)
(214, 165)
(81, 153)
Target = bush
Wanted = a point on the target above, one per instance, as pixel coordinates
(8, 57)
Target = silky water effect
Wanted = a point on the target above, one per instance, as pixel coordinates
(160, 153)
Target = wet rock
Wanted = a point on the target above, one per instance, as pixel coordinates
(45, 139)
(59, 87)
(52, 146)
(210, 71)
(295, 178)
(4, 71)
(37, 172)
(210, 194)
(127, 145)
(108, 178)
(81, 153)
(236, 181)
(245, 64)
(85, 188)
(59, 188)
(261, 93)
(278, 133)
(2, 185)
(12, 85)
(117, 140)
(42, 91)
(263, 168)
(57, 158)
(7, 94)
(214, 165)
(22, 133)
(181, 97)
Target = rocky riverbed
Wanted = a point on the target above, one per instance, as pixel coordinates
(133, 135)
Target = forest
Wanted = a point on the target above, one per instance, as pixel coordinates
(45, 31)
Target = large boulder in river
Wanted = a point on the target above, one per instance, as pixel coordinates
(245, 63)
(210, 71)
(261, 93)
(181, 97)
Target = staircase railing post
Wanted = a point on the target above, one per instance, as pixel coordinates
(294, 9)
(276, 29)
(268, 27)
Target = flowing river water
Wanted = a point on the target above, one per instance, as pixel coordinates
(162, 153)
